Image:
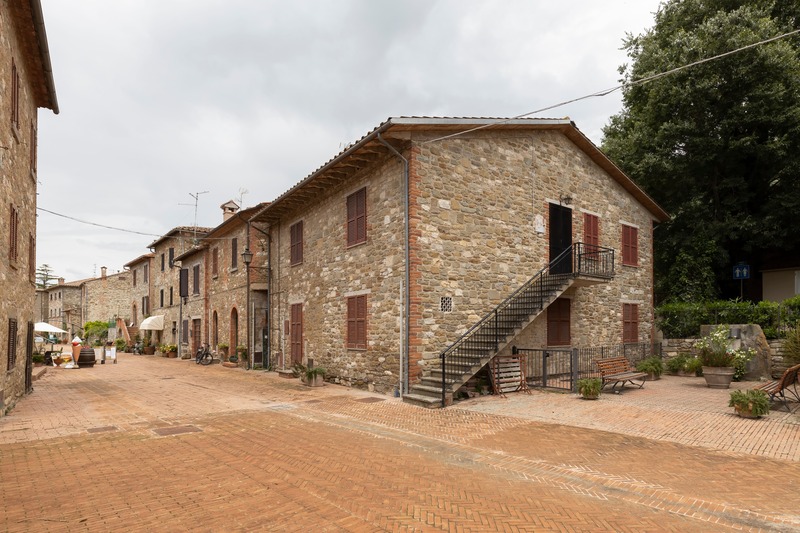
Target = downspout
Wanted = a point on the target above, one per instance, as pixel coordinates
(406, 319)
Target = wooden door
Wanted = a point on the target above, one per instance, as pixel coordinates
(558, 323)
(296, 335)
(196, 337)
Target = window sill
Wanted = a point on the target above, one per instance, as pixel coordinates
(354, 245)
(351, 349)
(631, 265)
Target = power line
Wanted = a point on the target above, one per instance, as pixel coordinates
(616, 88)
(96, 224)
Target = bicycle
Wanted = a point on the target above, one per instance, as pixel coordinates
(204, 355)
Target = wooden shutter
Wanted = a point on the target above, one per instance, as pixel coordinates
(357, 217)
(357, 322)
(196, 279)
(630, 245)
(296, 243)
(234, 253)
(558, 323)
(12, 344)
(630, 323)
(296, 335)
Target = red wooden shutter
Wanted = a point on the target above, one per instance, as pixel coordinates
(357, 322)
(630, 245)
(357, 217)
(296, 336)
(558, 323)
(296, 243)
(630, 323)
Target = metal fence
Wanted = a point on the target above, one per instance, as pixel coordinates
(561, 368)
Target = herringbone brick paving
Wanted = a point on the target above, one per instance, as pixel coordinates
(84, 453)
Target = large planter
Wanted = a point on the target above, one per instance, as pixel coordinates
(149, 350)
(718, 377)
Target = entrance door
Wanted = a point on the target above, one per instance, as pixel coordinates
(560, 239)
(195, 335)
(297, 333)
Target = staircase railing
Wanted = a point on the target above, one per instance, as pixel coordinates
(484, 338)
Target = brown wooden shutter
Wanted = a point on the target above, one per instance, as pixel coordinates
(357, 322)
(630, 245)
(357, 217)
(558, 323)
(296, 243)
(296, 335)
(630, 323)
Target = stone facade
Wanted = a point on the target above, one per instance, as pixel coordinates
(25, 85)
(478, 211)
(65, 306)
(107, 298)
(164, 281)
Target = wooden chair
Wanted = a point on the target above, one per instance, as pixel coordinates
(777, 388)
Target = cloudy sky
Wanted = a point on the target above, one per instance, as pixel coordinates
(164, 99)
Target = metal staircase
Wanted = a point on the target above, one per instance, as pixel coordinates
(465, 357)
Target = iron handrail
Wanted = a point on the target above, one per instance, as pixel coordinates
(580, 261)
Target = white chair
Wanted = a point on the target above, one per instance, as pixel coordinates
(111, 353)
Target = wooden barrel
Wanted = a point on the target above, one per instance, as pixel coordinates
(86, 357)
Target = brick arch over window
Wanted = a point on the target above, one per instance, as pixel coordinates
(234, 330)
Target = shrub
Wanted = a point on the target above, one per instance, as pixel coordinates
(590, 387)
(121, 344)
(754, 402)
(652, 365)
(37, 358)
(677, 363)
(791, 346)
(694, 365)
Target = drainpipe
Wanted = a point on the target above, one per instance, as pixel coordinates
(406, 319)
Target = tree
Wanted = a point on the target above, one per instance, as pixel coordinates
(44, 276)
(95, 329)
(715, 144)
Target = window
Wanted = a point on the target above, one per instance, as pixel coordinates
(215, 262)
(357, 322)
(171, 294)
(171, 257)
(13, 242)
(296, 246)
(145, 306)
(12, 344)
(296, 336)
(31, 258)
(163, 262)
(558, 323)
(591, 232)
(630, 245)
(145, 273)
(630, 322)
(162, 297)
(134, 278)
(196, 279)
(234, 253)
(185, 332)
(14, 95)
(357, 217)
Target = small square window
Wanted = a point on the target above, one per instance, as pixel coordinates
(446, 304)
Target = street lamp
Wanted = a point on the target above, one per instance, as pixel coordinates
(247, 258)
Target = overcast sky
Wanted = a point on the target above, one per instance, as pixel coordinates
(161, 99)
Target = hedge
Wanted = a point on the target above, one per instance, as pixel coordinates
(681, 320)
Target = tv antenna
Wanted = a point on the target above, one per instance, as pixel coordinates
(242, 192)
(196, 197)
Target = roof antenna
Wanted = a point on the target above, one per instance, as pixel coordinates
(196, 197)
(242, 192)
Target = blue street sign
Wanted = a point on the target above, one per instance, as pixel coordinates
(741, 271)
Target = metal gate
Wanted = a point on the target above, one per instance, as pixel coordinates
(551, 368)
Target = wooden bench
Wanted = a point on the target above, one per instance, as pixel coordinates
(618, 370)
(778, 387)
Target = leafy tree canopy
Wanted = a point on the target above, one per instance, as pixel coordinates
(45, 276)
(716, 144)
(97, 330)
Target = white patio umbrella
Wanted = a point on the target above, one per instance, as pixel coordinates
(44, 327)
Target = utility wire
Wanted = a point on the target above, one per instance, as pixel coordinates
(616, 88)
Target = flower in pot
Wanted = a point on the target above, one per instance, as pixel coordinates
(223, 348)
(589, 388)
(720, 362)
(171, 350)
(315, 376)
(749, 403)
(653, 365)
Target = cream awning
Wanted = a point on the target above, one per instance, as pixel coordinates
(155, 322)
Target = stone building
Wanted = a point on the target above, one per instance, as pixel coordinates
(26, 84)
(220, 280)
(192, 310)
(385, 256)
(65, 306)
(106, 298)
(139, 295)
(164, 280)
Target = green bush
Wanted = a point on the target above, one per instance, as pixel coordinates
(677, 363)
(590, 387)
(791, 346)
(121, 344)
(680, 320)
(652, 365)
(754, 402)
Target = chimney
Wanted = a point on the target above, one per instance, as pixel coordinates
(229, 209)
(60, 281)
(102, 272)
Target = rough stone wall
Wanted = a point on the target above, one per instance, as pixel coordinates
(17, 189)
(106, 298)
(331, 272)
(138, 291)
(479, 203)
(165, 279)
(194, 307)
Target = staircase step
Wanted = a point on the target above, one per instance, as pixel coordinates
(423, 401)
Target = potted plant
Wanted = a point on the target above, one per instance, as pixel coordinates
(653, 365)
(171, 350)
(315, 376)
(37, 359)
(675, 365)
(693, 366)
(749, 403)
(589, 388)
(719, 360)
(222, 347)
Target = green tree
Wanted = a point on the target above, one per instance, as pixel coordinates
(97, 330)
(715, 144)
(45, 276)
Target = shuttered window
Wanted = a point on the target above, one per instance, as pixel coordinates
(630, 245)
(558, 323)
(357, 322)
(630, 323)
(12, 344)
(357, 217)
(14, 95)
(234, 253)
(296, 243)
(196, 279)
(215, 263)
(31, 258)
(296, 335)
(13, 235)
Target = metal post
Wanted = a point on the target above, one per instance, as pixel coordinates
(575, 373)
(442, 356)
